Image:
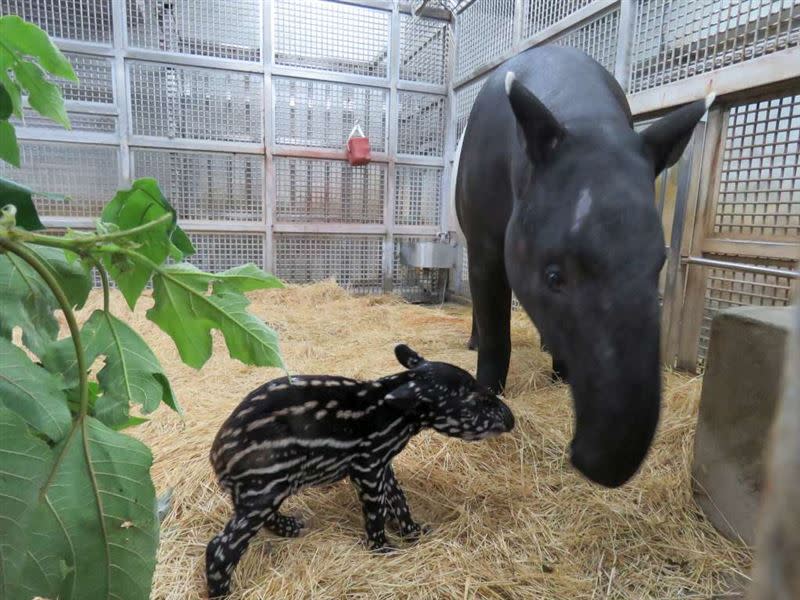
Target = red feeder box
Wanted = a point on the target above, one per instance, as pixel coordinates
(358, 151)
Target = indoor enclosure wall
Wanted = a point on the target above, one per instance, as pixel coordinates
(731, 206)
(241, 110)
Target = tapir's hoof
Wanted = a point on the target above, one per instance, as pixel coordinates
(472, 344)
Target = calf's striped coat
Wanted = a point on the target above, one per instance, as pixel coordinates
(288, 435)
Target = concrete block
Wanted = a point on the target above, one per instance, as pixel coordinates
(776, 575)
(741, 391)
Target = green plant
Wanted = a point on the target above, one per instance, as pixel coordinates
(78, 514)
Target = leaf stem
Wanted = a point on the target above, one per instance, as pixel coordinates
(60, 242)
(30, 258)
(104, 280)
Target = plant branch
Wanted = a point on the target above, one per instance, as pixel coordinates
(60, 242)
(104, 280)
(30, 258)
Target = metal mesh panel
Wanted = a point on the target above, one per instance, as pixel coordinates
(465, 272)
(355, 261)
(96, 81)
(206, 186)
(540, 14)
(726, 288)
(759, 193)
(314, 34)
(464, 99)
(221, 251)
(424, 49)
(88, 174)
(84, 20)
(418, 193)
(598, 38)
(416, 285)
(485, 31)
(676, 39)
(218, 28)
(201, 104)
(421, 124)
(321, 114)
(328, 191)
(79, 122)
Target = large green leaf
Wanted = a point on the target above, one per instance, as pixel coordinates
(22, 198)
(95, 520)
(141, 204)
(24, 463)
(6, 105)
(12, 89)
(187, 312)
(26, 300)
(43, 96)
(9, 149)
(32, 392)
(131, 375)
(244, 278)
(27, 38)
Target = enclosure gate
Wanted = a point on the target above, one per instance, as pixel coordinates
(731, 206)
(241, 110)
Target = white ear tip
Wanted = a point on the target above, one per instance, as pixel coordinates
(710, 99)
(510, 77)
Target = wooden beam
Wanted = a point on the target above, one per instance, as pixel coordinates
(780, 67)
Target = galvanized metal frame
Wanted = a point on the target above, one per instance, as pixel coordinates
(121, 55)
(692, 247)
(688, 238)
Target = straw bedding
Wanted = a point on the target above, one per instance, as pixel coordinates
(511, 518)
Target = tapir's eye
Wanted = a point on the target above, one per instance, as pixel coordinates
(554, 278)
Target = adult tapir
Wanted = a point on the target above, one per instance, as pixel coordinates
(555, 196)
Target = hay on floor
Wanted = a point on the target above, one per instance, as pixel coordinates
(511, 518)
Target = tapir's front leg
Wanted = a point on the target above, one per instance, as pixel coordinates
(372, 493)
(398, 506)
(491, 300)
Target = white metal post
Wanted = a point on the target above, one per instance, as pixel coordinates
(391, 172)
(121, 95)
(268, 109)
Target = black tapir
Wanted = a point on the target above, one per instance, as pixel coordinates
(554, 192)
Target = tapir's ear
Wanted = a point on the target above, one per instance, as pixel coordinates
(541, 130)
(666, 139)
(407, 357)
(404, 397)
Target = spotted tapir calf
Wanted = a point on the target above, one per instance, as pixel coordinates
(288, 435)
(554, 194)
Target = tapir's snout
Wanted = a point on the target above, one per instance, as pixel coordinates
(606, 461)
(508, 418)
(615, 424)
(617, 396)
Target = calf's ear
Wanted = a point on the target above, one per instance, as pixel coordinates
(407, 357)
(405, 398)
(666, 139)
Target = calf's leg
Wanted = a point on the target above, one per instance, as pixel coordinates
(284, 526)
(371, 492)
(398, 507)
(225, 551)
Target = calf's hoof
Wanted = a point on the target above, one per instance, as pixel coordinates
(384, 548)
(415, 532)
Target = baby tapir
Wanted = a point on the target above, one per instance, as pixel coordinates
(288, 435)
